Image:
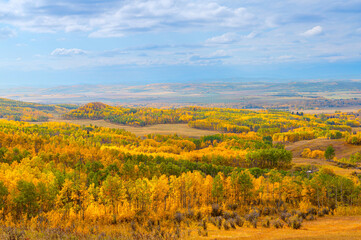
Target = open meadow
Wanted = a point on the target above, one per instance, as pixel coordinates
(327, 228)
(164, 129)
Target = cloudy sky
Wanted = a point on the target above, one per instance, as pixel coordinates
(49, 43)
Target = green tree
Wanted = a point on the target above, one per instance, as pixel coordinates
(113, 191)
(246, 185)
(3, 197)
(26, 199)
(217, 188)
(330, 152)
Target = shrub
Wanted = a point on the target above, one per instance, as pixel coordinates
(320, 213)
(201, 233)
(252, 217)
(226, 225)
(232, 223)
(325, 211)
(277, 223)
(295, 222)
(219, 222)
(311, 217)
(178, 217)
(330, 152)
(239, 221)
(216, 210)
(266, 223)
(232, 207)
(298, 213)
(213, 221)
(203, 224)
(308, 153)
(13, 233)
(198, 216)
(312, 211)
(226, 215)
(190, 214)
(267, 211)
(234, 215)
(285, 215)
(150, 225)
(133, 226)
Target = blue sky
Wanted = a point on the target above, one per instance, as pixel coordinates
(49, 43)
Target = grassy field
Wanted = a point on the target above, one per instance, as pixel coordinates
(327, 228)
(328, 110)
(180, 129)
(342, 150)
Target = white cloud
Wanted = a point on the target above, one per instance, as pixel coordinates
(285, 57)
(250, 31)
(251, 35)
(224, 39)
(229, 37)
(313, 31)
(219, 54)
(7, 33)
(143, 16)
(67, 52)
(106, 33)
(116, 18)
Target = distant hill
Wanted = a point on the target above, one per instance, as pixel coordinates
(279, 95)
(31, 112)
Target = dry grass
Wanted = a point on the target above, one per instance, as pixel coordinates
(329, 110)
(323, 163)
(164, 129)
(335, 228)
(342, 149)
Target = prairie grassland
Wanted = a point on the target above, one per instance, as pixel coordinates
(333, 227)
(165, 129)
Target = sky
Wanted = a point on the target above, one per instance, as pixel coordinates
(63, 42)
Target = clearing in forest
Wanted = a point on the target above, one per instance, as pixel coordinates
(164, 129)
(342, 150)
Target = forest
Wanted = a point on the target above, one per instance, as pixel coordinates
(31, 112)
(61, 180)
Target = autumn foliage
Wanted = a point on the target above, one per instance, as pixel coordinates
(87, 178)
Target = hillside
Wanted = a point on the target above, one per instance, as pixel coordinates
(31, 112)
(335, 95)
(61, 180)
(56, 175)
(266, 122)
